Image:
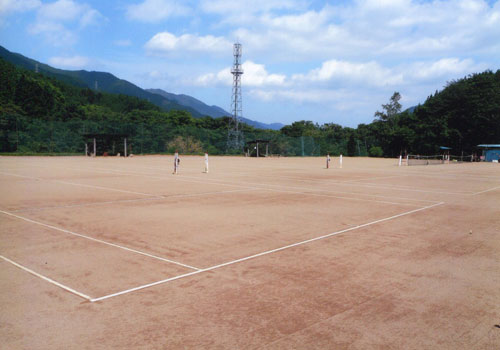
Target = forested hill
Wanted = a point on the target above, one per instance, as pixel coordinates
(461, 116)
(466, 113)
(43, 114)
(106, 82)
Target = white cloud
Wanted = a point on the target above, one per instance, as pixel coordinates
(166, 42)
(56, 21)
(73, 62)
(61, 10)
(10, 6)
(257, 75)
(156, 10)
(55, 33)
(301, 95)
(255, 6)
(254, 75)
(347, 72)
(446, 67)
(371, 29)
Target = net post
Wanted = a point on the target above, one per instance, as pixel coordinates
(340, 161)
(125, 147)
(400, 160)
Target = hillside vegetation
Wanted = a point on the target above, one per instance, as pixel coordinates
(42, 113)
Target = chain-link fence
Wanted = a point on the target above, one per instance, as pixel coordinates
(26, 135)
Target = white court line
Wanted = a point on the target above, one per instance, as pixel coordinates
(79, 184)
(263, 253)
(488, 190)
(256, 186)
(344, 183)
(71, 290)
(373, 178)
(155, 198)
(99, 240)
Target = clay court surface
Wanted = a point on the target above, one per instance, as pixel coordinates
(270, 253)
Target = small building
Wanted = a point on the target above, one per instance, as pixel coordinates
(491, 153)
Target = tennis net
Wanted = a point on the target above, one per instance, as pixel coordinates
(425, 160)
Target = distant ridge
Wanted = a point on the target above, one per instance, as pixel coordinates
(107, 82)
(211, 111)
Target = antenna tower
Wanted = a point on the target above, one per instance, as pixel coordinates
(234, 135)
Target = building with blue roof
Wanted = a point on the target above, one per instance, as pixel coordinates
(491, 153)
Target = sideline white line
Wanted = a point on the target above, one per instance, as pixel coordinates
(146, 286)
(99, 240)
(79, 184)
(263, 253)
(154, 198)
(491, 189)
(186, 178)
(259, 186)
(364, 184)
(71, 290)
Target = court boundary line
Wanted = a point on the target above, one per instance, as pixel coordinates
(98, 240)
(187, 178)
(47, 279)
(211, 268)
(152, 198)
(324, 181)
(488, 190)
(192, 179)
(81, 185)
(364, 184)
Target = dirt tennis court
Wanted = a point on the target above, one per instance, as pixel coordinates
(269, 253)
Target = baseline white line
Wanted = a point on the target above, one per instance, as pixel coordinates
(99, 240)
(322, 237)
(365, 184)
(79, 184)
(146, 286)
(155, 198)
(263, 253)
(233, 184)
(71, 290)
(491, 189)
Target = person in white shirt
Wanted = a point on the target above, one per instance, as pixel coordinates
(176, 162)
(206, 162)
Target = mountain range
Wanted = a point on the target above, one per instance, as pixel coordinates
(107, 82)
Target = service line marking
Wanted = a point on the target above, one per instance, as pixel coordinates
(488, 190)
(81, 185)
(262, 253)
(259, 186)
(98, 240)
(153, 198)
(71, 290)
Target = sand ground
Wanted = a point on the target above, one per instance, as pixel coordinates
(269, 253)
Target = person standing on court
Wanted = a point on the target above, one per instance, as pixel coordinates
(206, 162)
(176, 162)
(328, 160)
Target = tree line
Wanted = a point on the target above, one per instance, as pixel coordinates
(40, 114)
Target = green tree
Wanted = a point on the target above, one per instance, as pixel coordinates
(391, 109)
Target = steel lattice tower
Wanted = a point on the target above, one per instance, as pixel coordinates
(234, 135)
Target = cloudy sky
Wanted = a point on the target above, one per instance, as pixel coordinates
(325, 61)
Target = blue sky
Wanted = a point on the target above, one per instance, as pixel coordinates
(325, 61)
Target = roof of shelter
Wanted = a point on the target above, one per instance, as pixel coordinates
(258, 141)
(489, 146)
